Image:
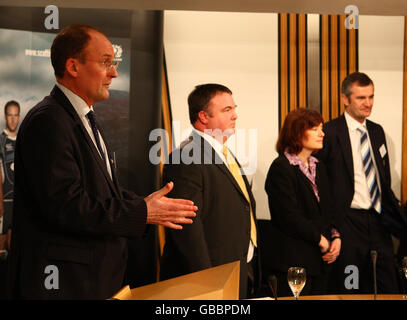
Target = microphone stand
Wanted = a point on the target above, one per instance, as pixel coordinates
(373, 255)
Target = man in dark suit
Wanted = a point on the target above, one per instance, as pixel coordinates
(356, 155)
(71, 216)
(225, 228)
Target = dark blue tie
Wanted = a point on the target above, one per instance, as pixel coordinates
(92, 119)
(370, 171)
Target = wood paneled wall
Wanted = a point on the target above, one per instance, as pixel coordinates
(292, 38)
(338, 58)
(404, 138)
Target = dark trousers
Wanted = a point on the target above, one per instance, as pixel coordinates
(361, 233)
(3, 278)
(253, 281)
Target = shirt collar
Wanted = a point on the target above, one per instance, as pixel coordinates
(11, 138)
(352, 123)
(211, 140)
(296, 160)
(77, 102)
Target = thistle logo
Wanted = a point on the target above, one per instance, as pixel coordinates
(118, 51)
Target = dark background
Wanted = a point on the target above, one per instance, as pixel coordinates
(126, 121)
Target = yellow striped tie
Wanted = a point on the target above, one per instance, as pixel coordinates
(235, 171)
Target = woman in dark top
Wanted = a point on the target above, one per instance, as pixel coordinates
(305, 234)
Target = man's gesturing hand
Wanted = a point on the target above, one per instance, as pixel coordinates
(168, 212)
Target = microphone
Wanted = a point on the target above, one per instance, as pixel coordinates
(272, 282)
(373, 255)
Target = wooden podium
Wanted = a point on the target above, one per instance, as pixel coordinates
(217, 283)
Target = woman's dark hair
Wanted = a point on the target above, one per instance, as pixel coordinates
(294, 127)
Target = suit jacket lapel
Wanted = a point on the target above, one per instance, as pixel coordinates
(210, 153)
(112, 163)
(344, 141)
(66, 104)
(308, 183)
(318, 183)
(232, 179)
(375, 149)
(248, 186)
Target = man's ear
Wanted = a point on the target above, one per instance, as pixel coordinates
(203, 117)
(71, 67)
(345, 99)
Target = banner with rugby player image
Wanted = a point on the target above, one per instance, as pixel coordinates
(27, 77)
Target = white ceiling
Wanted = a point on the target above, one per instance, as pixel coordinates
(366, 7)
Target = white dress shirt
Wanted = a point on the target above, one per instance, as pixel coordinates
(1, 165)
(361, 197)
(217, 146)
(82, 110)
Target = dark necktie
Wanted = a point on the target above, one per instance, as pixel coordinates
(92, 119)
(370, 171)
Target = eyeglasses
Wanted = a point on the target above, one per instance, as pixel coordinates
(109, 64)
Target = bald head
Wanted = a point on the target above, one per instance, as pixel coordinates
(70, 42)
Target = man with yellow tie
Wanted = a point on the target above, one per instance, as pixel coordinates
(205, 171)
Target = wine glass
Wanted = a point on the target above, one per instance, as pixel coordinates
(296, 280)
(404, 266)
